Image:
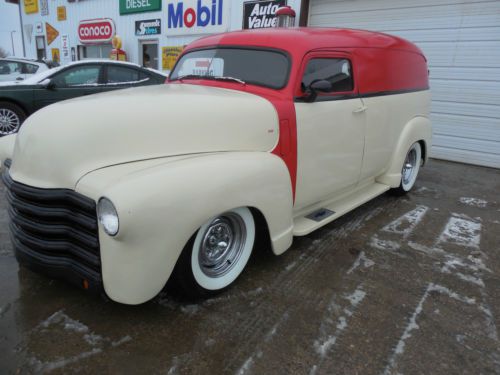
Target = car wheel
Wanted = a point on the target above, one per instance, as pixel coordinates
(11, 118)
(411, 166)
(216, 255)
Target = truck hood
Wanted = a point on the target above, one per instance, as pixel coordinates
(61, 143)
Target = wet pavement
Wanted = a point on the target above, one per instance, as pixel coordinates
(399, 286)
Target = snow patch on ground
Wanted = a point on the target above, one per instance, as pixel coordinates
(323, 346)
(361, 261)
(290, 266)
(247, 365)
(463, 231)
(96, 342)
(475, 202)
(69, 324)
(412, 322)
(405, 224)
(380, 244)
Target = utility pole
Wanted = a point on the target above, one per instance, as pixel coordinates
(22, 28)
(12, 41)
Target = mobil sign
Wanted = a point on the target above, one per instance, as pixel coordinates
(191, 17)
(99, 30)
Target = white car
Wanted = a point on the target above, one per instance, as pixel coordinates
(15, 69)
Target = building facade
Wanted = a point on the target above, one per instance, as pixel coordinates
(152, 32)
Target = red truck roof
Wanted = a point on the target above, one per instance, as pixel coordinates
(303, 39)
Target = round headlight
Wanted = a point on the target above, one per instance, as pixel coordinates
(108, 217)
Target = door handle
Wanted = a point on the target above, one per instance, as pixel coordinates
(360, 109)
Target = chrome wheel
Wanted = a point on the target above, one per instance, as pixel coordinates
(411, 167)
(222, 244)
(9, 121)
(221, 250)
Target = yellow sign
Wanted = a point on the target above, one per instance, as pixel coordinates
(61, 13)
(169, 56)
(56, 56)
(51, 32)
(30, 6)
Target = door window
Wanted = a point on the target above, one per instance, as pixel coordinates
(336, 71)
(29, 68)
(120, 74)
(10, 67)
(78, 76)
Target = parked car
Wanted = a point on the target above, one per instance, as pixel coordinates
(21, 99)
(16, 69)
(265, 134)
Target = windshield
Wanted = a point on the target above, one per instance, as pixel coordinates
(259, 67)
(37, 78)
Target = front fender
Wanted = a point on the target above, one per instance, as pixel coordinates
(417, 129)
(162, 203)
(6, 148)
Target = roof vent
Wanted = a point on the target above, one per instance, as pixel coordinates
(285, 16)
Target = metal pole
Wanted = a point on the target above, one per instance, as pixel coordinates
(22, 29)
(12, 41)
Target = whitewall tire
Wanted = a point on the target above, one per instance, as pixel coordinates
(411, 167)
(217, 254)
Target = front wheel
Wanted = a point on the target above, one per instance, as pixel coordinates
(411, 166)
(11, 118)
(215, 257)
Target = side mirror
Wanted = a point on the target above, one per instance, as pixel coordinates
(320, 85)
(48, 84)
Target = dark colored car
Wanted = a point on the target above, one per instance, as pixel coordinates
(21, 99)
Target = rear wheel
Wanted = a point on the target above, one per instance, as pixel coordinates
(411, 167)
(11, 118)
(216, 255)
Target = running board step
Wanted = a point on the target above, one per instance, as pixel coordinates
(303, 225)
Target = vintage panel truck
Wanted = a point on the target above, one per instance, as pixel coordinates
(268, 133)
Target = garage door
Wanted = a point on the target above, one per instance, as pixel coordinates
(462, 43)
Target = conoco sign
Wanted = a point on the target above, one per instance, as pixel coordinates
(96, 31)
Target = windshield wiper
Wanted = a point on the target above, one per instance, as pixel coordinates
(214, 78)
(222, 78)
(189, 76)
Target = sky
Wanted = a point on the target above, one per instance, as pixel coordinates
(9, 20)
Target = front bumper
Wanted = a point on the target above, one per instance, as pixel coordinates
(55, 232)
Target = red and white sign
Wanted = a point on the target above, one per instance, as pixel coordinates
(96, 31)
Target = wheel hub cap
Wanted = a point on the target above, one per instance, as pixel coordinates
(222, 245)
(9, 121)
(409, 166)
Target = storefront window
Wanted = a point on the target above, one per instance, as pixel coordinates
(99, 51)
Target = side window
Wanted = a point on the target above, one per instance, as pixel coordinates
(78, 76)
(120, 74)
(337, 71)
(29, 68)
(9, 67)
(144, 76)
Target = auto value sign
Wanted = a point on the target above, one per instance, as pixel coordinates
(148, 27)
(191, 17)
(99, 30)
(137, 6)
(260, 14)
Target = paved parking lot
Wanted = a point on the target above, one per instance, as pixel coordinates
(401, 285)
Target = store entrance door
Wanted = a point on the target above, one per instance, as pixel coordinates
(148, 53)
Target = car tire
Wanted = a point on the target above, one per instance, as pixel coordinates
(411, 167)
(216, 255)
(11, 118)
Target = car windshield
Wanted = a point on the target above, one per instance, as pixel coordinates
(266, 68)
(39, 77)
